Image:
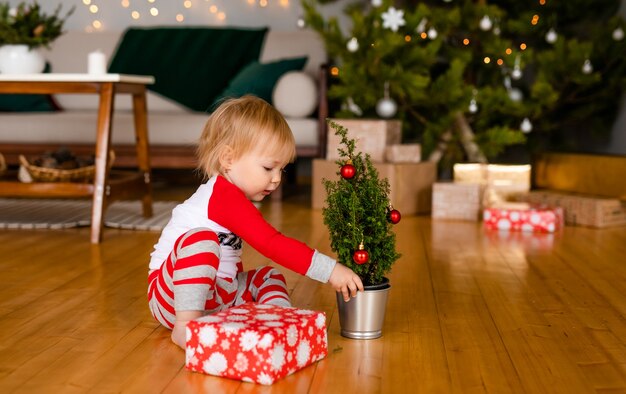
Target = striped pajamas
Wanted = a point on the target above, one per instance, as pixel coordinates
(188, 281)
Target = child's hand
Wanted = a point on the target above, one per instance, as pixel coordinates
(344, 280)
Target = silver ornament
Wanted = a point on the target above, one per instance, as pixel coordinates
(551, 36)
(352, 45)
(515, 95)
(432, 33)
(587, 67)
(485, 23)
(386, 107)
(526, 126)
(473, 107)
(618, 34)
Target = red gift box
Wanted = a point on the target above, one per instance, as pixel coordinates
(523, 217)
(256, 342)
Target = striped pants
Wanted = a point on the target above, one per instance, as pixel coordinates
(188, 281)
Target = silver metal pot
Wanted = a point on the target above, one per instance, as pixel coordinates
(363, 316)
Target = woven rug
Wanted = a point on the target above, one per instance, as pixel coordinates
(58, 214)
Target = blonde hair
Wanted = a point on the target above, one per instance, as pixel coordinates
(243, 124)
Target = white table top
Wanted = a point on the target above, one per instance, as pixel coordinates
(57, 77)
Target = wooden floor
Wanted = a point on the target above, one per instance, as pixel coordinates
(469, 311)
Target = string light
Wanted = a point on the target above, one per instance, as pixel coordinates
(508, 51)
(334, 71)
(180, 17)
(535, 20)
(407, 38)
(487, 60)
(542, 2)
(522, 46)
(466, 41)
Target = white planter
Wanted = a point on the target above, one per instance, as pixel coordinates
(19, 59)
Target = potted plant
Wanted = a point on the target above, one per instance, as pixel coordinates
(359, 217)
(23, 30)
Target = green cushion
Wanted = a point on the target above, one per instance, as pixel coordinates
(259, 79)
(191, 65)
(28, 102)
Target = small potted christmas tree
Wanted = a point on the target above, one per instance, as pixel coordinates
(359, 217)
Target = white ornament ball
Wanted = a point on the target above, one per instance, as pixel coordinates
(485, 23)
(301, 23)
(432, 33)
(551, 36)
(618, 34)
(587, 67)
(526, 126)
(386, 107)
(377, 3)
(515, 95)
(516, 73)
(352, 45)
(473, 107)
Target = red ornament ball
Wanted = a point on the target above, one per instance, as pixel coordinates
(361, 256)
(348, 171)
(394, 216)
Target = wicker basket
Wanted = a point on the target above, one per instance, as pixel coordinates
(43, 174)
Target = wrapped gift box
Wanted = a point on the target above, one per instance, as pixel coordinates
(410, 184)
(523, 217)
(256, 342)
(403, 153)
(502, 181)
(581, 210)
(371, 137)
(452, 200)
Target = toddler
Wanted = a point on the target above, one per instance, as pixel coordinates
(195, 268)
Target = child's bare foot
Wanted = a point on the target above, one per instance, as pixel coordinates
(179, 332)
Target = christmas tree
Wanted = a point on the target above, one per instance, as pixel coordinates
(469, 78)
(358, 214)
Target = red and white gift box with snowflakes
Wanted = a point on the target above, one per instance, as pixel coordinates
(523, 217)
(256, 342)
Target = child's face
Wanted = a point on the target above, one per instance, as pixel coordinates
(257, 173)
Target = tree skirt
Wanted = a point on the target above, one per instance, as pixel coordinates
(58, 214)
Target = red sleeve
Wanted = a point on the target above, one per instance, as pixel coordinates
(229, 207)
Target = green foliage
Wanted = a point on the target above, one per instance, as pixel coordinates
(28, 25)
(356, 211)
(433, 78)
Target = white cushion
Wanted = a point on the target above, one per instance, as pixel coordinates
(295, 95)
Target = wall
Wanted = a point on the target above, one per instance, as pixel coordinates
(278, 14)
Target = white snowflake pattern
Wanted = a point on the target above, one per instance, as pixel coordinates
(303, 353)
(527, 227)
(304, 312)
(267, 316)
(320, 320)
(240, 311)
(264, 378)
(216, 364)
(207, 335)
(248, 340)
(225, 344)
(292, 335)
(310, 331)
(393, 19)
(274, 323)
(264, 306)
(241, 362)
(210, 319)
(237, 318)
(278, 357)
(232, 327)
(266, 341)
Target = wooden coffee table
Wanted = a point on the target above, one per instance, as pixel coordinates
(107, 186)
